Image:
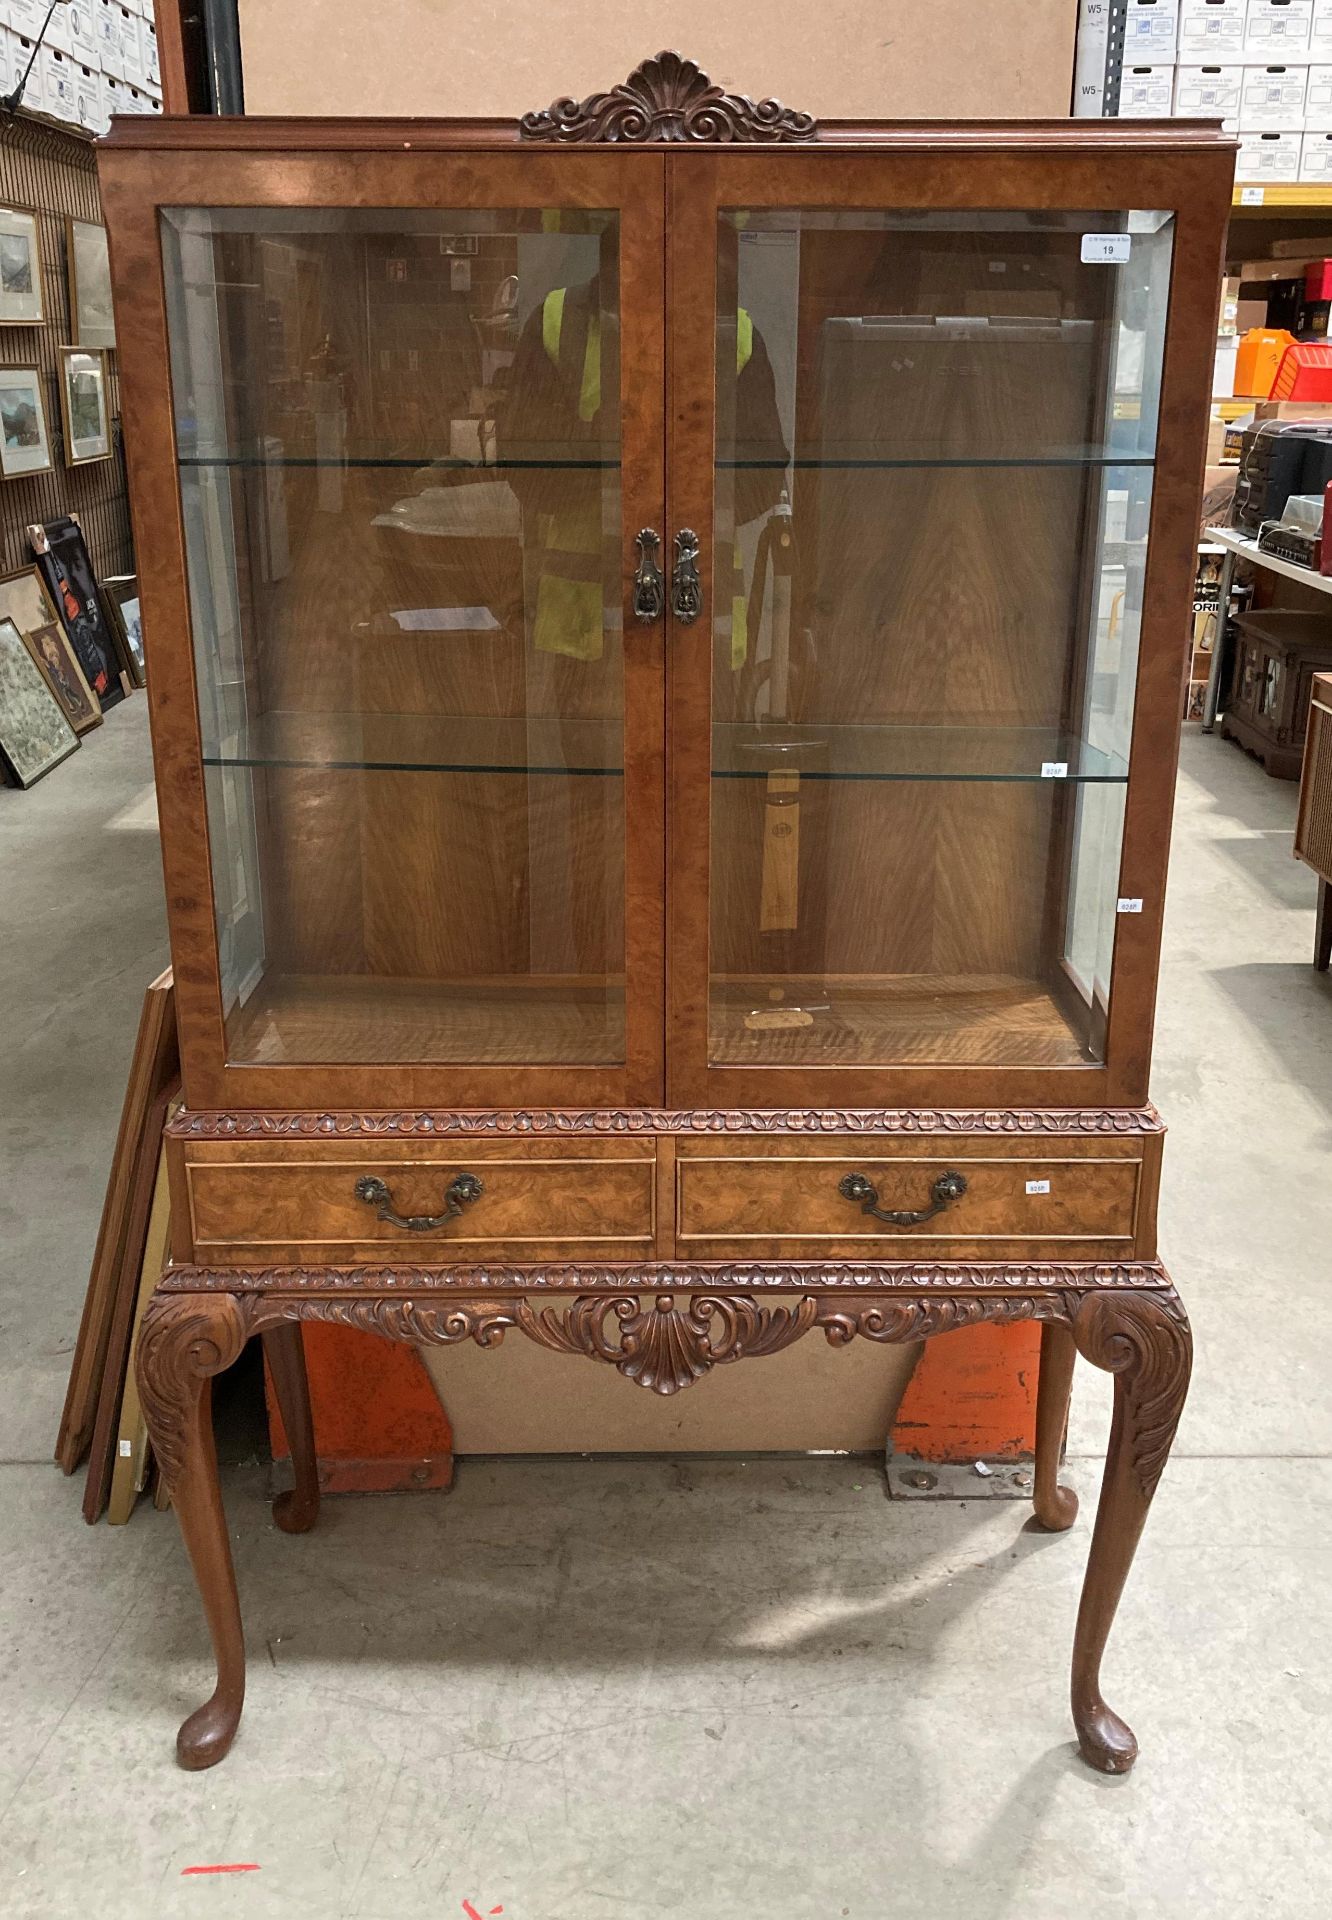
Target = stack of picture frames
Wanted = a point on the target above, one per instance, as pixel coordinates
(102, 1421)
(69, 648)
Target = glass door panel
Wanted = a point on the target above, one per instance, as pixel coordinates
(399, 446)
(935, 441)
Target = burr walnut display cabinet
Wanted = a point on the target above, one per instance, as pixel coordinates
(666, 627)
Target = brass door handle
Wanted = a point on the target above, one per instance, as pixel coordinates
(461, 1191)
(686, 593)
(649, 588)
(947, 1188)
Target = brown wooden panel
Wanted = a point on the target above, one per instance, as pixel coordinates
(789, 1205)
(533, 1205)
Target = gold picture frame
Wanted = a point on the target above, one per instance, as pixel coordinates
(35, 735)
(21, 299)
(88, 265)
(25, 440)
(85, 405)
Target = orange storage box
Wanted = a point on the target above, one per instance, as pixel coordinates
(1260, 354)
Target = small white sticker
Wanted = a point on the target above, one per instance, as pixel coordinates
(126, 1449)
(1106, 249)
(1251, 196)
(1054, 769)
(1038, 1186)
(1128, 906)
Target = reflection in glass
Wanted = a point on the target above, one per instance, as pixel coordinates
(399, 464)
(935, 443)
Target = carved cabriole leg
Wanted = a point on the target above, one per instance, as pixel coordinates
(1056, 1506)
(297, 1509)
(186, 1339)
(1144, 1340)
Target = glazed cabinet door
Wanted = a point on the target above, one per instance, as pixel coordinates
(924, 721)
(408, 650)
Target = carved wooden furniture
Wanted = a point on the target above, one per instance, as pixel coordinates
(1278, 654)
(1313, 823)
(648, 609)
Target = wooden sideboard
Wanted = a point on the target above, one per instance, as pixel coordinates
(1313, 823)
(666, 622)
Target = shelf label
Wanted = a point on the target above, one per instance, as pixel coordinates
(1106, 249)
(1038, 1186)
(1128, 906)
(1054, 769)
(1251, 196)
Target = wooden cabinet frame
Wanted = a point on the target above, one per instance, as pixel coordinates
(665, 1218)
(668, 201)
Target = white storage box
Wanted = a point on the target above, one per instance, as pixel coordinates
(1320, 38)
(1146, 92)
(1318, 97)
(131, 65)
(1150, 30)
(115, 95)
(1208, 93)
(1211, 30)
(1223, 367)
(92, 110)
(60, 83)
(26, 16)
(1268, 157)
(1272, 97)
(73, 30)
(108, 37)
(1277, 29)
(148, 58)
(33, 93)
(1316, 156)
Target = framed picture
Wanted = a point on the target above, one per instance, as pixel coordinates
(120, 598)
(89, 284)
(24, 444)
(20, 269)
(25, 601)
(64, 676)
(34, 734)
(84, 410)
(62, 561)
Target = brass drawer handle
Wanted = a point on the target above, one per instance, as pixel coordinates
(947, 1188)
(460, 1193)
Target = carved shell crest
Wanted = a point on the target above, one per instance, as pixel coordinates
(669, 98)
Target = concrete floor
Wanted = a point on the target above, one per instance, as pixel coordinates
(757, 1690)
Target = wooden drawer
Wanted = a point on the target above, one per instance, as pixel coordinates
(539, 1200)
(787, 1204)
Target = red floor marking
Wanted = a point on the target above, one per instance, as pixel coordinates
(472, 1913)
(241, 1866)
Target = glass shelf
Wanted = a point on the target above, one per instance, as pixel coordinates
(880, 463)
(868, 752)
(416, 463)
(474, 743)
(423, 743)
